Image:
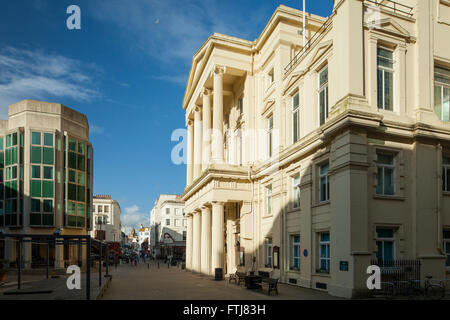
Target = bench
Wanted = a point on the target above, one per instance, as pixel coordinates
(238, 277)
(269, 284)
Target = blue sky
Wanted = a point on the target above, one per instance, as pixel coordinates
(126, 69)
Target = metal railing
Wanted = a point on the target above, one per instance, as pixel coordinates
(402, 274)
(308, 45)
(393, 6)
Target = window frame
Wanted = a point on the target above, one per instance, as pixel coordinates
(325, 176)
(442, 86)
(385, 70)
(383, 240)
(323, 88)
(269, 202)
(295, 116)
(270, 136)
(295, 244)
(268, 252)
(327, 257)
(384, 166)
(296, 187)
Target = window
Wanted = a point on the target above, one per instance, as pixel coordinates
(177, 211)
(270, 136)
(324, 183)
(167, 222)
(385, 174)
(100, 209)
(295, 260)
(106, 209)
(446, 174)
(177, 222)
(323, 95)
(184, 223)
(271, 77)
(442, 93)
(446, 238)
(295, 118)
(296, 191)
(269, 200)
(385, 244)
(324, 248)
(184, 235)
(385, 79)
(268, 253)
(167, 210)
(240, 105)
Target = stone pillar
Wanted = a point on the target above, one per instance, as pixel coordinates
(217, 235)
(26, 254)
(59, 256)
(190, 152)
(196, 242)
(206, 241)
(217, 134)
(10, 250)
(197, 142)
(189, 242)
(206, 152)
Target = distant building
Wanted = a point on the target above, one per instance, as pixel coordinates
(168, 226)
(107, 224)
(143, 235)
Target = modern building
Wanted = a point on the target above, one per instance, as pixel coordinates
(310, 160)
(168, 226)
(46, 163)
(107, 224)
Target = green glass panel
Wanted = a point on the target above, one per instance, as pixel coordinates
(35, 205)
(80, 193)
(47, 189)
(36, 138)
(14, 139)
(47, 219)
(1, 208)
(80, 178)
(80, 163)
(71, 207)
(72, 176)
(36, 153)
(72, 221)
(72, 160)
(48, 139)
(1, 143)
(8, 206)
(36, 188)
(2, 159)
(48, 156)
(8, 157)
(8, 173)
(80, 222)
(48, 172)
(8, 140)
(48, 205)
(72, 144)
(36, 172)
(81, 147)
(35, 219)
(80, 209)
(14, 155)
(89, 152)
(14, 189)
(72, 191)
(7, 189)
(14, 172)
(21, 139)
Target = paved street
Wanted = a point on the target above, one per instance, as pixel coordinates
(141, 283)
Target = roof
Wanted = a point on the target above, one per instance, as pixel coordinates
(102, 196)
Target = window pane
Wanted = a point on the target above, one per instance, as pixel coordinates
(81, 179)
(380, 88)
(388, 181)
(438, 101)
(441, 75)
(323, 77)
(47, 189)
(295, 126)
(36, 155)
(322, 106)
(385, 159)
(385, 58)
(385, 233)
(72, 160)
(48, 205)
(48, 156)
(80, 194)
(388, 90)
(47, 219)
(324, 237)
(80, 163)
(48, 172)
(72, 176)
(48, 139)
(295, 101)
(35, 205)
(388, 251)
(36, 188)
(72, 192)
(35, 219)
(446, 105)
(35, 172)
(380, 180)
(71, 208)
(81, 147)
(36, 138)
(72, 144)
(80, 209)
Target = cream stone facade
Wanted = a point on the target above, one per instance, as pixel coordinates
(106, 224)
(310, 162)
(46, 180)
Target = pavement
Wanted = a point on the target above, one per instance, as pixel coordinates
(147, 282)
(37, 287)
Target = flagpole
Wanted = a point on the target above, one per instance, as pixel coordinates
(304, 25)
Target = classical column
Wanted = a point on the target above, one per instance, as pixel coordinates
(189, 242)
(206, 241)
(196, 242)
(206, 152)
(217, 235)
(197, 142)
(217, 134)
(190, 153)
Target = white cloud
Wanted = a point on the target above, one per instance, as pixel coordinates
(28, 74)
(134, 218)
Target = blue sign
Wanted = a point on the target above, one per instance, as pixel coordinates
(305, 253)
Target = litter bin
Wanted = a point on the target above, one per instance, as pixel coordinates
(218, 274)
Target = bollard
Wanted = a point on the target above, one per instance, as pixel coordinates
(148, 265)
(158, 264)
(168, 266)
